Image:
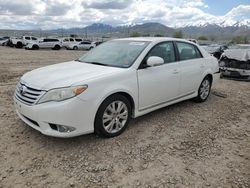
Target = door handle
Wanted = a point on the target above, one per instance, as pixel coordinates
(175, 71)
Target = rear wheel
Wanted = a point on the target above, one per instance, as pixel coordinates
(56, 47)
(113, 116)
(35, 47)
(204, 90)
(19, 45)
(75, 48)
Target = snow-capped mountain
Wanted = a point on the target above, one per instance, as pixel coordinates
(221, 23)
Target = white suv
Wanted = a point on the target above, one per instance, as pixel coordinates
(84, 45)
(52, 43)
(116, 81)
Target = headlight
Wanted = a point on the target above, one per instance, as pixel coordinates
(61, 94)
(222, 63)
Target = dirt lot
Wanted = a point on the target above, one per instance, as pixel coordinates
(184, 145)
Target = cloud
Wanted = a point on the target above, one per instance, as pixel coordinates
(21, 8)
(56, 8)
(109, 4)
(52, 14)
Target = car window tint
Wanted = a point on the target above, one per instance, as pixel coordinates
(27, 38)
(165, 51)
(188, 51)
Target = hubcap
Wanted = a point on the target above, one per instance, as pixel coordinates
(204, 90)
(115, 116)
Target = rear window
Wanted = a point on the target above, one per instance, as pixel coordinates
(50, 40)
(188, 51)
(85, 43)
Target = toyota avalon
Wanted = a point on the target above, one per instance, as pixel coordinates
(120, 79)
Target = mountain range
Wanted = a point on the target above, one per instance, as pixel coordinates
(220, 30)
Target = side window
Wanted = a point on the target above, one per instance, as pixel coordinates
(188, 51)
(71, 40)
(33, 38)
(65, 40)
(164, 50)
(45, 40)
(27, 38)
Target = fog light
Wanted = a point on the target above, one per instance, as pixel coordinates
(65, 129)
(62, 128)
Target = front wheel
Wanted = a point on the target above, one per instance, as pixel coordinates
(204, 90)
(113, 116)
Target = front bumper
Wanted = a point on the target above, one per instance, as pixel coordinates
(74, 112)
(232, 72)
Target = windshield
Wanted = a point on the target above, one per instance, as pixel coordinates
(117, 53)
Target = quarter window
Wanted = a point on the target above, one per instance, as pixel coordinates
(164, 50)
(188, 51)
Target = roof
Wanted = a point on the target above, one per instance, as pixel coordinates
(152, 39)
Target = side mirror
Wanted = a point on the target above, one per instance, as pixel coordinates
(154, 61)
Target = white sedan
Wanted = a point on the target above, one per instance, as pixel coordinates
(116, 81)
(84, 45)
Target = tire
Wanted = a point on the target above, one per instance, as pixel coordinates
(109, 121)
(75, 48)
(56, 47)
(35, 47)
(204, 90)
(19, 45)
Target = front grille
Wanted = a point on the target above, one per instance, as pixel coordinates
(237, 64)
(27, 94)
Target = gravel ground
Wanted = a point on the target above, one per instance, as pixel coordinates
(183, 145)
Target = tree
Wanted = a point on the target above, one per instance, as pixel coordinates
(178, 34)
(135, 34)
(158, 35)
(240, 40)
(202, 38)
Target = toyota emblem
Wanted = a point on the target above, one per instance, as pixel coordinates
(23, 90)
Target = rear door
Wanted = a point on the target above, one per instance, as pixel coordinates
(159, 84)
(43, 43)
(192, 66)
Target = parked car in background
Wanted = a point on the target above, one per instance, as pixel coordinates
(84, 45)
(97, 42)
(3, 41)
(215, 49)
(69, 40)
(23, 41)
(116, 81)
(235, 62)
(193, 40)
(51, 43)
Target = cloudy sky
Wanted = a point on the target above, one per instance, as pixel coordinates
(51, 14)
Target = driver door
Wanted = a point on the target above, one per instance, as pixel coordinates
(159, 84)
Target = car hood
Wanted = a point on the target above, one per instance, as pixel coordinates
(65, 74)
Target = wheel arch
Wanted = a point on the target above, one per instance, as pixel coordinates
(210, 76)
(123, 93)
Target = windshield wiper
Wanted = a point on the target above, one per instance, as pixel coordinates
(78, 60)
(97, 63)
